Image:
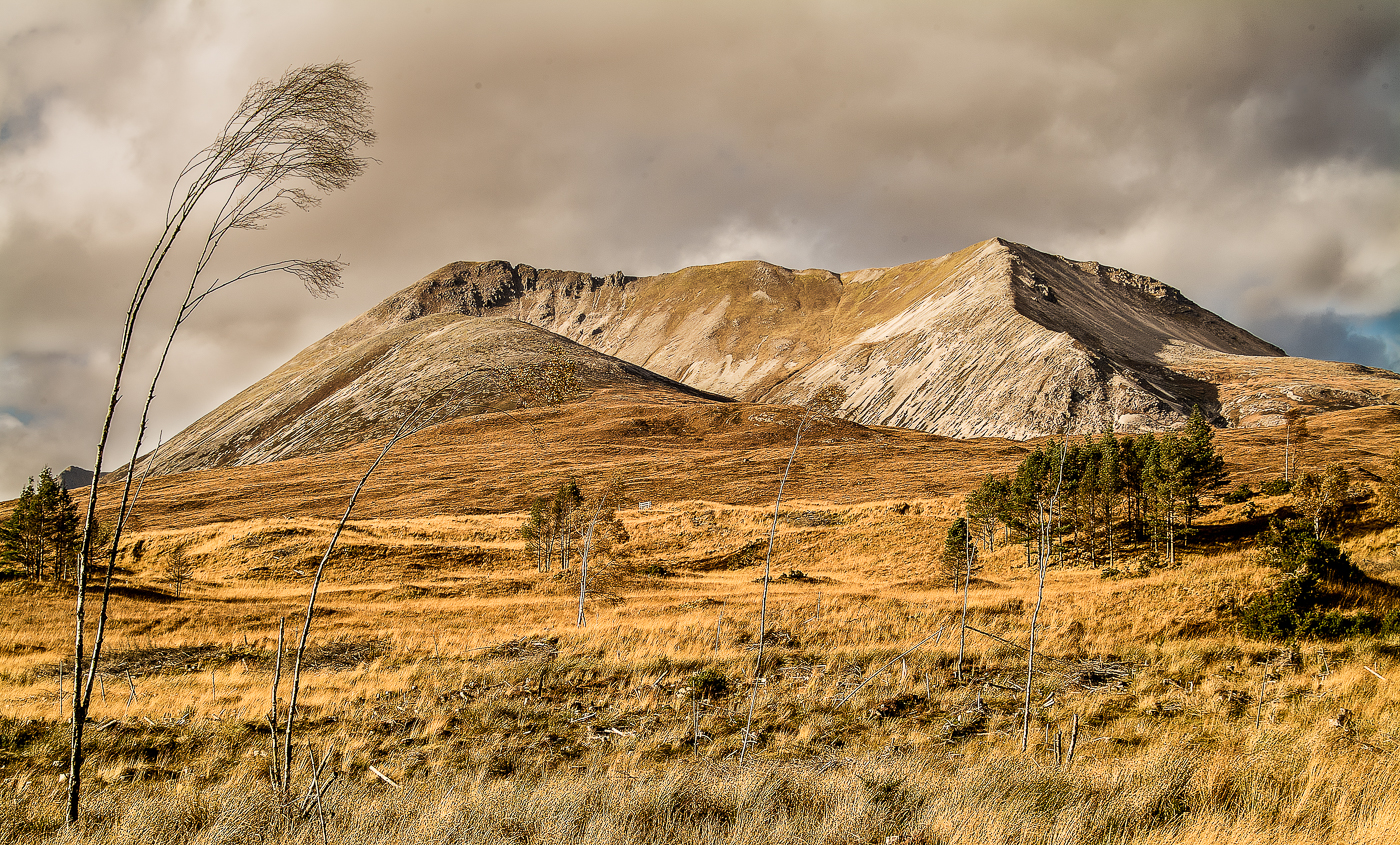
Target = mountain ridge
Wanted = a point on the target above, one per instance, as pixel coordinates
(994, 340)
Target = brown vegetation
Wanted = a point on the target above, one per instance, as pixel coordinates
(445, 661)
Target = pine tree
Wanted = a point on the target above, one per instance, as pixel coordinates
(19, 535)
(533, 533)
(566, 502)
(1203, 466)
(41, 534)
(1167, 491)
(984, 508)
(1110, 483)
(957, 547)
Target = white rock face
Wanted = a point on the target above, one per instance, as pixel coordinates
(997, 339)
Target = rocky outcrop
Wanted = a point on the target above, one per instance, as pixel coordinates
(74, 477)
(997, 339)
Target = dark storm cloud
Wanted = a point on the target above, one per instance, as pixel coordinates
(1245, 152)
(1330, 336)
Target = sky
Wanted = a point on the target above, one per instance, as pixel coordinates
(1247, 153)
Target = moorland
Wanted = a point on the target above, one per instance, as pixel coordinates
(451, 695)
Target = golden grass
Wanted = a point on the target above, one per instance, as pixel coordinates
(597, 735)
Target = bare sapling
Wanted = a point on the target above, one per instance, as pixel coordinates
(179, 569)
(967, 581)
(824, 403)
(1046, 513)
(608, 491)
(410, 424)
(873, 675)
(304, 129)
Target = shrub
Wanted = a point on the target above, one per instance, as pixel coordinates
(1275, 487)
(708, 683)
(1294, 549)
(1278, 613)
(1242, 493)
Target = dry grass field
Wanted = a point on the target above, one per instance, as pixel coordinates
(442, 661)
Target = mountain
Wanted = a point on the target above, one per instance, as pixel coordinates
(74, 477)
(362, 380)
(998, 339)
(995, 340)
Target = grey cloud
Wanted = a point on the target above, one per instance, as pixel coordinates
(1245, 152)
(1330, 336)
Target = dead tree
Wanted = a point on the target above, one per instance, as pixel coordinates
(824, 403)
(304, 130)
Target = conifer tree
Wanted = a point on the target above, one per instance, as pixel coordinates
(1203, 466)
(953, 563)
(41, 534)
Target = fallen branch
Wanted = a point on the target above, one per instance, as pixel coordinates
(384, 777)
(888, 665)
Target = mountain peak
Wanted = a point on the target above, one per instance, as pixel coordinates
(997, 339)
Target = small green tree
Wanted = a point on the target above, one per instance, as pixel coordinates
(1166, 483)
(41, 534)
(983, 506)
(1202, 466)
(1110, 483)
(566, 503)
(534, 531)
(953, 562)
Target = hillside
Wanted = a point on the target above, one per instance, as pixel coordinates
(997, 340)
(358, 384)
(683, 450)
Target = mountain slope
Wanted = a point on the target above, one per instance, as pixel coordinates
(995, 340)
(359, 383)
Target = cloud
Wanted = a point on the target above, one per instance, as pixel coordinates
(1329, 336)
(1245, 151)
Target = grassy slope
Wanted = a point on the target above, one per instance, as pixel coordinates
(498, 744)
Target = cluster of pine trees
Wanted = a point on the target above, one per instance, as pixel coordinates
(557, 526)
(42, 535)
(1102, 493)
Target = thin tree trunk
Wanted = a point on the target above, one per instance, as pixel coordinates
(1040, 598)
(583, 573)
(962, 639)
(403, 430)
(763, 602)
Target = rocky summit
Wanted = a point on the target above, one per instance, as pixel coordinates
(998, 339)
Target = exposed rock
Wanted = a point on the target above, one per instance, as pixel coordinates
(997, 339)
(74, 477)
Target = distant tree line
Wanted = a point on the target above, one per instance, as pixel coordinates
(1112, 491)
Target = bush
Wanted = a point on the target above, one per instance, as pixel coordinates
(1290, 611)
(708, 683)
(1276, 487)
(1295, 549)
(1242, 493)
(1279, 613)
